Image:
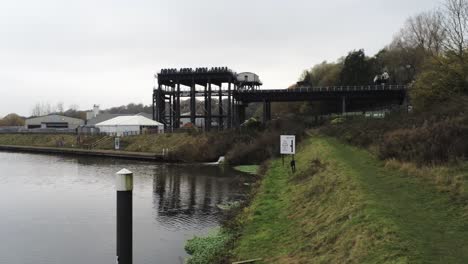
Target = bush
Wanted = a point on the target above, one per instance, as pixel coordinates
(435, 136)
(262, 145)
(441, 80)
(208, 249)
(437, 143)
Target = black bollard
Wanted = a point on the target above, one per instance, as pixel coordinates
(124, 187)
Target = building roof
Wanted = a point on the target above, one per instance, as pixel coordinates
(101, 118)
(105, 116)
(136, 120)
(54, 118)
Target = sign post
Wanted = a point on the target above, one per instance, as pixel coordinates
(288, 147)
(117, 143)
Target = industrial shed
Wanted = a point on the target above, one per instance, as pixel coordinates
(53, 122)
(130, 125)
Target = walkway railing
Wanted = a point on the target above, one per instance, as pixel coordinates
(333, 89)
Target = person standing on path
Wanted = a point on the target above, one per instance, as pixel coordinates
(293, 165)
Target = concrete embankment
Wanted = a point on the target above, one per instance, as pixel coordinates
(86, 152)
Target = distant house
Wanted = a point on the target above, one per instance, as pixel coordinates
(96, 116)
(53, 122)
(130, 125)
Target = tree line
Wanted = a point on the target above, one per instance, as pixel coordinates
(429, 53)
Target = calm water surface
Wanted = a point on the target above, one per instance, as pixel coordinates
(62, 210)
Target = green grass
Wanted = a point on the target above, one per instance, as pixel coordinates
(207, 249)
(251, 169)
(344, 206)
(182, 145)
(39, 140)
(144, 143)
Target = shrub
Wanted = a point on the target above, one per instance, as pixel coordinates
(437, 143)
(435, 136)
(208, 249)
(262, 145)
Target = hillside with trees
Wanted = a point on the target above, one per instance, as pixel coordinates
(429, 53)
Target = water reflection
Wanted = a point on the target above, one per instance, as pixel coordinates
(61, 204)
(187, 198)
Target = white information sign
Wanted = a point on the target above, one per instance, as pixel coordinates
(288, 144)
(117, 143)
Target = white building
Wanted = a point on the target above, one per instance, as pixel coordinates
(93, 113)
(130, 125)
(53, 121)
(248, 77)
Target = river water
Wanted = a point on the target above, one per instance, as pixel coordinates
(57, 210)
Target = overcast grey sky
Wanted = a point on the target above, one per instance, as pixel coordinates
(105, 52)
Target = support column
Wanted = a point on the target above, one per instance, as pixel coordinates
(154, 104)
(220, 107)
(205, 107)
(229, 113)
(343, 105)
(193, 103)
(160, 105)
(171, 109)
(177, 123)
(235, 113)
(209, 117)
(241, 110)
(266, 111)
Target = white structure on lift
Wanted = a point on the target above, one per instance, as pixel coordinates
(53, 121)
(248, 77)
(248, 80)
(130, 125)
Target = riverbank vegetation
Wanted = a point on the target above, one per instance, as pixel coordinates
(431, 137)
(39, 140)
(385, 190)
(208, 249)
(343, 205)
(247, 145)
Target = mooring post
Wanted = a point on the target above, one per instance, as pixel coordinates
(124, 188)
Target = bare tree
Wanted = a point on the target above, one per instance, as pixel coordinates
(456, 26)
(59, 107)
(41, 109)
(36, 110)
(74, 107)
(48, 108)
(424, 31)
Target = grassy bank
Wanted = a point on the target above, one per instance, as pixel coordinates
(38, 140)
(438, 136)
(185, 146)
(243, 146)
(343, 205)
